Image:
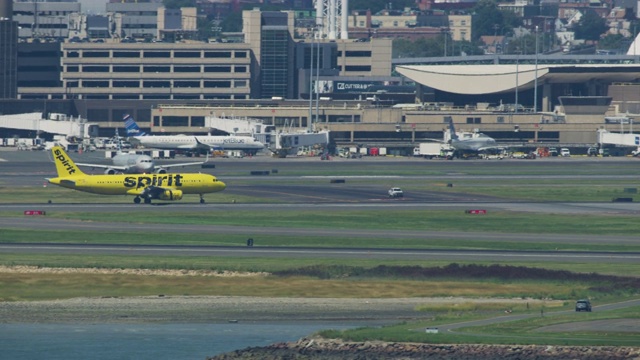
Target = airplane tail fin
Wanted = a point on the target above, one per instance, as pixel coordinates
(452, 129)
(202, 146)
(64, 165)
(132, 128)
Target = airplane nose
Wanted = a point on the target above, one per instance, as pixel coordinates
(222, 185)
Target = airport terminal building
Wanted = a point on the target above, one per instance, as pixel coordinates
(359, 93)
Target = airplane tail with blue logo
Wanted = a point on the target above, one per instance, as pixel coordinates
(132, 128)
(452, 130)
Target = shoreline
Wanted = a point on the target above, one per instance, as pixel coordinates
(335, 349)
(330, 311)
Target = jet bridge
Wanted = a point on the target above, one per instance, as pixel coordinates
(56, 124)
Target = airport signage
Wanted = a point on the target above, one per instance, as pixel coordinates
(35, 212)
(352, 86)
(476, 211)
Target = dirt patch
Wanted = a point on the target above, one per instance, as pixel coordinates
(104, 271)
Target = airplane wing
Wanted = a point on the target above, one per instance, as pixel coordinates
(137, 191)
(153, 192)
(187, 147)
(168, 166)
(203, 146)
(495, 147)
(100, 166)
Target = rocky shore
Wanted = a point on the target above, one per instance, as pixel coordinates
(328, 349)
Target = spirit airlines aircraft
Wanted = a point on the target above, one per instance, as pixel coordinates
(190, 142)
(168, 187)
(133, 163)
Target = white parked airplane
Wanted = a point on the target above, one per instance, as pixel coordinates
(191, 143)
(473, 142)
(132, 163)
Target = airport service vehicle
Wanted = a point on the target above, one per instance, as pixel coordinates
(395, 192)
(565, 152)
(432, 150)
(583, 305)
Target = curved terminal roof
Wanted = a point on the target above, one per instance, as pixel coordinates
(488, 79)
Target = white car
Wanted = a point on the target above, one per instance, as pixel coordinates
(395, 192)
(565, 152)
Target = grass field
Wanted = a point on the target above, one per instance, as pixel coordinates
(546, 187)
(519, 332)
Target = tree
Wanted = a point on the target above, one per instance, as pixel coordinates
(590, 27)
(525, 44)
(612, 42)
(432, 47)
(488, 20)
(232, 23)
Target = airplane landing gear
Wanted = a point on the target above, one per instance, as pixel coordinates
(147, 201)
(201, 199)
(136, 200)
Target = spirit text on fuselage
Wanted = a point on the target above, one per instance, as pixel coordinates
(155, 180)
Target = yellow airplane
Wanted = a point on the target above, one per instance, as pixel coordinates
(168, 187)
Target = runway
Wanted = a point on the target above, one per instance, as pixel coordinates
(302, 184)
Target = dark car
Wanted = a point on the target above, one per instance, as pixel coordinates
(583, 305)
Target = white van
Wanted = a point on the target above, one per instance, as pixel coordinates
(565, 152)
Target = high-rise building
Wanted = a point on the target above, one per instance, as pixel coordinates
(270, 37)
(8, 58)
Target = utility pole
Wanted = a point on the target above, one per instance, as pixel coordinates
(517, 73)
(535, 83)
(310, 120)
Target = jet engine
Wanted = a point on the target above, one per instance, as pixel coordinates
(110, 171)
(161, 171)
(170, 195)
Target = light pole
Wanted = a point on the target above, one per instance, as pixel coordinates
(317, 82)
(309, 122)
(535, 82)
(517, 73)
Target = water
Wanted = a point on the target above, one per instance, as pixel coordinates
(142, 341)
